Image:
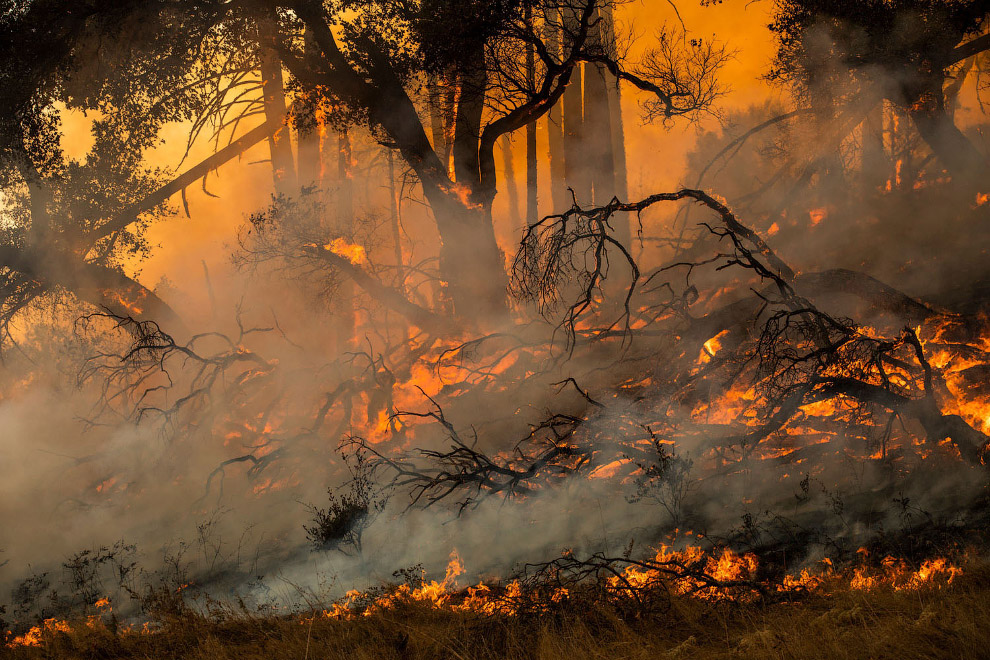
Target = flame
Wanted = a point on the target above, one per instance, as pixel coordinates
(982, 198)
(817, 215)
(711, 347)
(463, 195)
(897, 574)
(106, 484)
(609, 470)
(729, 567)
(353, 253)
(689, 571)
(134, 303)
(35, 635)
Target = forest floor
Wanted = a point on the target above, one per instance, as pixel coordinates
(938, 621)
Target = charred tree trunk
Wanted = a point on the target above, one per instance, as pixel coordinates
(831, 171)
(393, 210)
(532, 174)
(345, 180)
(273, 96)
(597, 126)
(555, 135)
(467, 125)
(309, 136)
(875, 164)
(472, 271)
(441, 97)
(575, 170)
(510, 181)
(621, 183)
(345, 221)
(960, 157)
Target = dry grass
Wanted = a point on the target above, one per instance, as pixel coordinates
(947, 622)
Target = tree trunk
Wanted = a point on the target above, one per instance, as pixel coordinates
(510, 182)
(441, 98)
(343, 303)
(875, 165)
(467, 126)
(559, 199)
(472, 270)
(576, 173)
(393, 212)
(959, 156)
(615, 111)
(273, 98)
(345, 181)
(597, 128)
(532, 174)
(471, 264)
(309, 135)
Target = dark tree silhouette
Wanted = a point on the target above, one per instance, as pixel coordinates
(905, 51)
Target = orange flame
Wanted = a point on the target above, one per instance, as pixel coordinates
(353, 253)
(711, 347)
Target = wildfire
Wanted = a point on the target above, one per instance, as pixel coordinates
(690, 571)
(353, 253)
(433, 593)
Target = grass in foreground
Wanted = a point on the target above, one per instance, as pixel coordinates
(950, 621)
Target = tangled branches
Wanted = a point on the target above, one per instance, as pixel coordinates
(469, 474)
(137, 382)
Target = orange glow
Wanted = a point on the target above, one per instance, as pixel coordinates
(817, 215)
(609, 470)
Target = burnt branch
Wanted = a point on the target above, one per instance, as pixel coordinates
(468, 474)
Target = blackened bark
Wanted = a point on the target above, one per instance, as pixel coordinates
(532, 175)
(273, 93)
(467, 126)
(621, 183)
(875, 162)
(555, 132)
(510, 180)
(955, 152)
(309, 135)
(575, 170)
